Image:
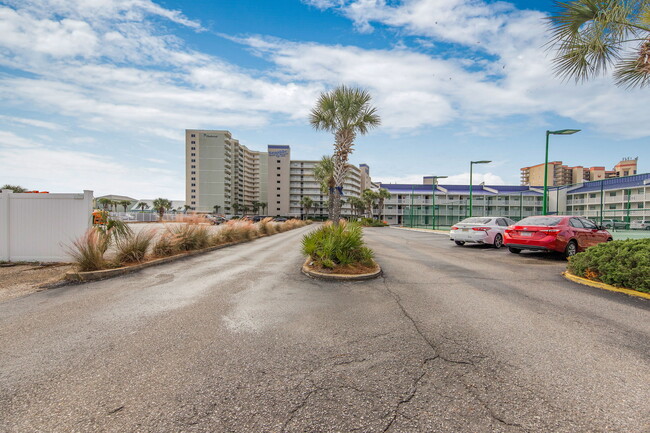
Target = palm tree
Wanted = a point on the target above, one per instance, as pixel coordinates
(142, 206)
(368, 197)
(357, 206)
(161, 205)
(14, 188)
(346, 112)
(216, 208)
(125, 204)
(104, 202)
(235, 208)
(324, 174)
(592, 35)
(382, 195)
(307, 203)
(255, 206)
(186, 208)
(263, 206)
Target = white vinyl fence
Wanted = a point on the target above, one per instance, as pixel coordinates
(39, 227)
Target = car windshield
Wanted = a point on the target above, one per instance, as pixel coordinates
(540, 221)
(475, 220)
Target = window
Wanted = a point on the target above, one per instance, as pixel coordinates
(194, 172)
(612, 194)
(575, 222)
(501, 222)
(194, 154)
(193, 190)
(278, 195)
(279, 161)
(278, 188)
(193, 135)
(588, 224)
(193, 178)
(194, 142)
(278, 174)
(278, 181)
(193, 202)
(612, 206)
(194, 160)
(193, 184)
(194, 148)
(278, 168)
(193, 196)
(194, 166)
(592, 195)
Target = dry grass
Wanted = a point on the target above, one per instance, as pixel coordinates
(88, 251)
(165, 245)
(133, 248)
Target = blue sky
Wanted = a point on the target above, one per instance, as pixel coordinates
(96, 94)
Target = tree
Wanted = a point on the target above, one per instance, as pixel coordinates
(245, 209)
(346, 112)
(255, 206)
(236, 207)
(592, 35)
(216, 208)
(382, 195)
(307, 203)
(14, 188)
(263, 206)
(104, 202)
(186, 208)
(358, 206)
(324, 174)
(125, 204)
(368, 197)
(161, 205)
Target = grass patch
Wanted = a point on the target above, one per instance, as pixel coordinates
(333, 246)
(88, 251)
(133, 248)
(371, 222)
(624, 263)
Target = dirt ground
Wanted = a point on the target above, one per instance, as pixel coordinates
(23, 279)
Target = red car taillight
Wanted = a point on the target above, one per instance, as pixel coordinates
(551, 231)
(481, 229)
(454, 228)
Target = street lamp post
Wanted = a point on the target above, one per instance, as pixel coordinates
(558, 132)
(433, 200)
(471, 166)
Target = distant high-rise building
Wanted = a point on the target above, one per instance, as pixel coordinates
(559, 174)
(222, 172)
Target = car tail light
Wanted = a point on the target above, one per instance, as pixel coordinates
(551, 231)
(481, 229)
(454, 228)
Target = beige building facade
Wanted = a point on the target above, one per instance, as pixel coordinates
(560, 174)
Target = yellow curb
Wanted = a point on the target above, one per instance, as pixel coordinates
(604, 286)
(339, 277)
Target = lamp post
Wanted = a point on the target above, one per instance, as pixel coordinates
(471, 166)
(433, 200)
(558, 132)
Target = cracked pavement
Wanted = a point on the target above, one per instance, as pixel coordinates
(450, 339)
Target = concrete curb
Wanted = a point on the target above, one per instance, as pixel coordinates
(599, 285)
(82, 277)
(438, 232)
(339, 277)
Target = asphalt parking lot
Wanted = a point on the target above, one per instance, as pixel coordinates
(450, 339)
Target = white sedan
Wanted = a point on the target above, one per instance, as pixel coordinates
(481, 230)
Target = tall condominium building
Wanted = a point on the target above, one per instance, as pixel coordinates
(225, 175)
(559, 174)
(304, 184)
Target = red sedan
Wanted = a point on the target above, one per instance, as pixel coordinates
(564, 234)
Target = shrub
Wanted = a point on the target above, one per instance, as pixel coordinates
(134, 247)
(88, 251)
(342, 245)
(188, 237)
(371, 222)
(165, 245)
(267, 226)
(619, 263)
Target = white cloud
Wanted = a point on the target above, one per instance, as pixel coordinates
(31, 122)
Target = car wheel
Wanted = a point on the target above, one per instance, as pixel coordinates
(514, 250)
(647, 228)
(460, 243)
(571, 249)
(609, 239)
(498, 241)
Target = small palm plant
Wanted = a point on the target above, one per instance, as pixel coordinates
(592, 35)
(161, 205)
(382, 195)
(346, 112)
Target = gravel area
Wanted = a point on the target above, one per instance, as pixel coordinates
(23, 279)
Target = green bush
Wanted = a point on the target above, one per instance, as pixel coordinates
(371, 222)
(332, 246)
(619, 263)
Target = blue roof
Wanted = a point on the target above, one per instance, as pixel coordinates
(405, 188)
(613, 183)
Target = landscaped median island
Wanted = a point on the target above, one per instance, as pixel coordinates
(622, 264)
(109, 251)
(338, 252)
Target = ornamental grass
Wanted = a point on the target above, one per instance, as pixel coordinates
(333, 246)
